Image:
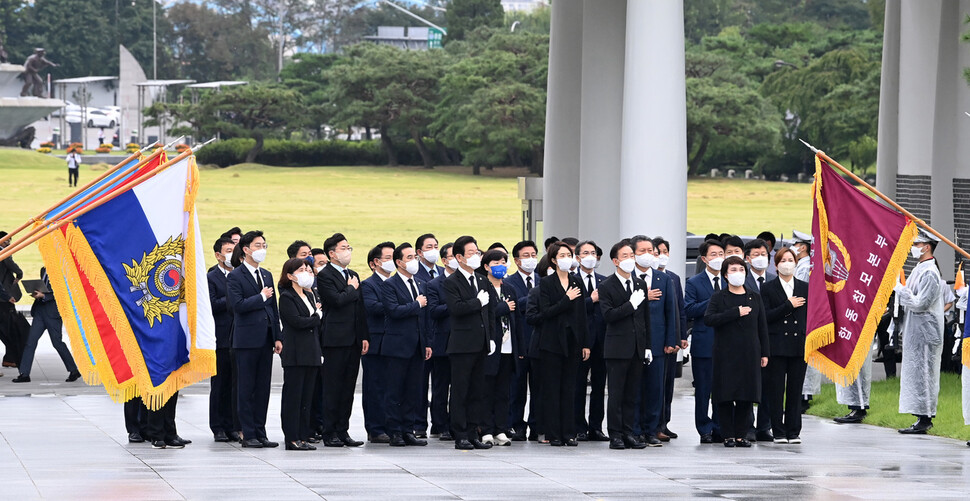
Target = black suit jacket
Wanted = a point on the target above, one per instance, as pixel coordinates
(522, 335)
(561, 317)
(344, 316)
(438, 318)
(786, 324)
(471, 324)
(218, 284)
(301, 331)
(404, 319)
(627, 329)
(596, 327)
(255, 322)
(9, 274)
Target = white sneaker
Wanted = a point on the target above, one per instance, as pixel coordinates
(502, 439)
(781, 440)
(488, 439)
(795, 440)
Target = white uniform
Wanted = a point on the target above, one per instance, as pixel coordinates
(813, 378)
(857, 393)
(919, 377)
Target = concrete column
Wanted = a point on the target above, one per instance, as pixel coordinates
(653, 158)
(919, 53)
(887, 153)
(560, 185)
(602, 110)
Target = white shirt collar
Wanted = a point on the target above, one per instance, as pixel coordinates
(252, 270)
(754, 271)
(525, 277)
(465, 273)
(648, 273)
(337, 267)
(623, 280)
(405, 280)
(711, 276)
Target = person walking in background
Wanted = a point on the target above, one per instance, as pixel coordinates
(45, 318)
(73, 167)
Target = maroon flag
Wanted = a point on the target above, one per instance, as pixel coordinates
(860, 247)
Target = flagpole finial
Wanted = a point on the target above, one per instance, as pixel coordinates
(814, 149)
(199, 147)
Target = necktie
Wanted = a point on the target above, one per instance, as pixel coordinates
(259, 280)
(589, 284)
(628, 289)
(414, 290)
(346, 275)
(431, 272)
(761, 282)
(528, 282)
(716, 285)
(471, 280)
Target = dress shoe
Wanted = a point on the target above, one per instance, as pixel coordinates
(502, 440)
(434, 435)
(72, 377)
(556, 442)
(617, 443)
(9, 364)
(854, 416)
(379, 439)
(598, 436)
(488, 439)
(581, 437)
(446, 436)
(729, 442)
(184, 441)
(751, 436)
(397, 440)
(519, 436)
(266, 443)
(707, 439)
(333, 441)
(296, 446)
(764, 436)
(920, 427)
(135, 438)
(349, 442)
(572, 442)
(478, 444)
(652, 441)
(533, 437)
(21, 379)
(313, 439)
(308, 446)
(158, 444)
(780, 440)
(464, 445)
(252, 442)
(663, 437)
(220, 436)
(234, 436)
(420, 434)
(174, 444)
(743, 442)
(412, 439)
(670, 433)
(633, 442)
(716, 436)
(794, 440)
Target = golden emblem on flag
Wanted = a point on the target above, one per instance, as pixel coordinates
(837, 263)
(158, 278)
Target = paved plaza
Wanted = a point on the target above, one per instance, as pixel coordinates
(67, 441)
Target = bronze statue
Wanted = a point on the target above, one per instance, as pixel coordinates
(3, 53)
(32, 66)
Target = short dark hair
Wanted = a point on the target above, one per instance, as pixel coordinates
(769, 238)
(399, 251)
(549, 241)
(443, 250)
(555, 248)
(492, 255)
(584, 243)
(615, 250)
(544, 264)
(522, 245)
(378, 249)
(733, 241)
(754, 244)
(232, 231)
(244, 241)
(462, 242)
(295, 247)
(289, 266)
(722, 236)
(711, 236)
(420, 241)
(731, 260)
(658, 241)
(217, 247)
(498, 245)
(331, 243)
(316, 251)
(636, 239)
(702, 250)
(570, 241)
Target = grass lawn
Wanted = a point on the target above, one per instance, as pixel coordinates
(372, 204)
(884, 407)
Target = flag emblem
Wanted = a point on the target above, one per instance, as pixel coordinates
(158, 278)
(837, 264)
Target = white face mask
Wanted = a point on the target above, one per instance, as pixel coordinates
(411, 266)
(627, 265)
(574, 264)
(320, 268)
(647, 260)
(343, 258)
(786, 269)
(431, 256)
(736, 279)
(715, 264)
(529, 264)
(259, 255)
(474, 262)
(387, 266)
(664, 259)
(227, 261)
(304, 279)
(552, 271)
(453, 264)
(760, 262)
(589, 262)
(565, 263)
(917, 252)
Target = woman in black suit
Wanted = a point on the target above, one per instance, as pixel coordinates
(300, 315)
(740, 351)
(785, 309)
(562, 344)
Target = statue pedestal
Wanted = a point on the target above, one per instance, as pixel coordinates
(19, 112)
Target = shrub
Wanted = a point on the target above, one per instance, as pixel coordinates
(181, 147)
(44, 149)
(286, 153)
(103, 150)
(47, 144)
(106, 145)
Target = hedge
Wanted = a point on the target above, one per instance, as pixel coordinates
(285, 153)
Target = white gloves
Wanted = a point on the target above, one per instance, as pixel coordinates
(491, 347)
(483, 297)
(899, 287)
(648, 355)
(637, 297)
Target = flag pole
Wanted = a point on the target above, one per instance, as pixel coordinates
(920, 222)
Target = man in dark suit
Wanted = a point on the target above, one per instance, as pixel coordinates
(665, 339)
(440, 328)
(526, 378)
(467, 295)
(697, 293)
(45, 318)
(12, 335)
(626, 346)
(380, 259)
(222, 414)
(404, 347)
(344, 340)
(589, 254)
(426, 247)
(756, 253)
(670, 359)
(255, 335)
